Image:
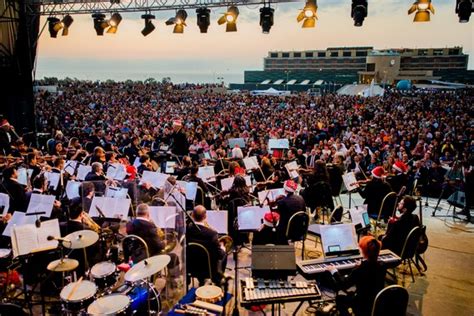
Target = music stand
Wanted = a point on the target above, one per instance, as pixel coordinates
(273, 261)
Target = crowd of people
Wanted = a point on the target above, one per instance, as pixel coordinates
(422, 141)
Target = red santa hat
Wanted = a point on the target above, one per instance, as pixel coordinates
(290, 186)
(271, 219)
(131, 172)
(3, 122)
(378, 172)
(400, 166)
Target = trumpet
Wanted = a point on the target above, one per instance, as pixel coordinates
(89, 222)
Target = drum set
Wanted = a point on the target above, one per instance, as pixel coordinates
(107, 291)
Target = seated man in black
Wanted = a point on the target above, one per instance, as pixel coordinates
(374, 192)
(206, 236)
(368, 278)
(269, 232)
(399, 228)
(290, 204)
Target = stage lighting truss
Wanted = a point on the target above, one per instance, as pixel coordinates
(230, 19)
(308, 14)
(359, 11)
(464, 8)
(423, 10)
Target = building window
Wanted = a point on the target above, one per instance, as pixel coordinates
(297, 55)
(308, 54)
(437, 52)
(285, 55)
(334, 54)
(346, 54)
(322, 54)
(371, 67)
(422, 52)
(454, 51)
(273, 55)
(361, 53)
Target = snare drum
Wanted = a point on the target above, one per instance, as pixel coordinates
(113, 304)
(81, 298)
(104, 274)
(139, 294)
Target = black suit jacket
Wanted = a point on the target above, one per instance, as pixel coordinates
(373, 193)
(16, 191)
(209, 239)
(149, 232)
(398, 231)
(288, 206)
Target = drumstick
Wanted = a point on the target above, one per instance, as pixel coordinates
(74, 288)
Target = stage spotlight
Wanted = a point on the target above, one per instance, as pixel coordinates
(149, 27)
(266, 19)
(114, 22)
(66, 23)
(203, 19)
(54, 25)
(179, 21)
(423, 9)
(359, 11)
(100, 24)
(308, 14)
(230, 17)
(464, 8)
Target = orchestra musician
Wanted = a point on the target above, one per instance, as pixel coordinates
(132, 150)
(221, 163)
(290, 204)
(16, 191)
(270, 231)
(399, 228)
(33, 164)
(40, 186)
(145, 164)
(207, 237)
(7, 136)
(96, 173)
(193, 177)
(368, 278)
(179, 140)
(375, 190)
(399, 178)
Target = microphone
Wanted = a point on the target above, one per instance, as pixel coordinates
(49, 238)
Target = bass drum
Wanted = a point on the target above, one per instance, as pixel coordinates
(139, 294)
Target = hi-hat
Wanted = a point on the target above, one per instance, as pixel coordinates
(81, 239)
(63, 265)
(146, 268)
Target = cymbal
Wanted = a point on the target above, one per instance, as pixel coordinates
(63, 265)
(147, 267)
(81, 239)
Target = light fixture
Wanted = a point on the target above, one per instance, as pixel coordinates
(203, 19)
(230, 18)
(308, 14)
(54, 25)
(114, 22)
(423, 9)
(266, 19)
(179, 21)
(100, 24)
(359, 11)
(464, 8)
(66, 23)
(149, 26)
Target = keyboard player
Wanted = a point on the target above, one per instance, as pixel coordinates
(368, 277)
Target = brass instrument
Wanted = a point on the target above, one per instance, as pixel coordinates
(170, 239)
(228, 243)
(89, 222)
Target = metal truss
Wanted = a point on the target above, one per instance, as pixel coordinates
(62, 7)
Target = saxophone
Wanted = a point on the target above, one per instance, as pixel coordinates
(89, 222)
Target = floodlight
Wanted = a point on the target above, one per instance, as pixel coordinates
(423, 9)
(54, 25)
(308, 14)
(359, 11)
(266, 19)
(149, 26)
(100, 24)
(114, 22)
(203, 19)
(464, 8)
(230, 18)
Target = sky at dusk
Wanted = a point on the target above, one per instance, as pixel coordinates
(218, 53)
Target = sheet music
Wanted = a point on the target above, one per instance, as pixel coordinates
(53, 179)
(292, 168)
(111, 207)
(226, 183)
(341, 236)
(251, 217)
(116, 171)
(41, 203)
(5, 203)
(280, 143)
(156, 179)
(190, 189)
(207, 173)
(22, 176)
(218, 221)
(251, 163)
(350, 181)
(18, 218)
(116, 192)
(82, 171)
(70, 167)
(72, 189)
(26, 239)
(170, 167)
(136, 163)
(48, 228)
(273, 194)
(163, 216)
